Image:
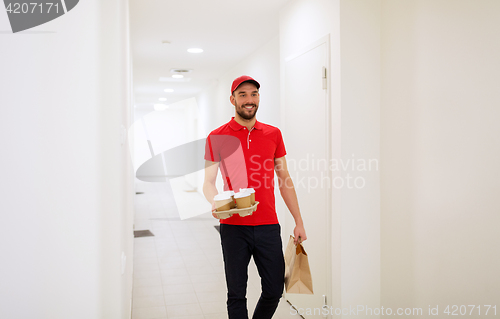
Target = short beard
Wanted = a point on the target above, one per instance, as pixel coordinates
(243, 115)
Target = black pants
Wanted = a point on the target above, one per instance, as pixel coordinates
(239, 243)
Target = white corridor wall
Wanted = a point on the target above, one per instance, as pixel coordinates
(440, 153)
(66, 182)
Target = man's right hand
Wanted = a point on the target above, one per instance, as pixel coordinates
(213, 210)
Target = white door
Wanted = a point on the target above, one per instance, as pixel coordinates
(306, 130)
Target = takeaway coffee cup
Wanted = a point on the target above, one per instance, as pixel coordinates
(243, 199)
(231, 193)
(223, 202)
(252, 194)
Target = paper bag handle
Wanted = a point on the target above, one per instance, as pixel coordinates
(300, 249)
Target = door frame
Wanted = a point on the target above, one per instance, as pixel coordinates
(328, 147)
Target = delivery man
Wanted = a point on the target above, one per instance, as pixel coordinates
(248, 153)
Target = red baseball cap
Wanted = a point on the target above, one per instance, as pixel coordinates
(244, 78)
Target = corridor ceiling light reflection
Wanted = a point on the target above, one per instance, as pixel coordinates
(177, 76)
(195, 50)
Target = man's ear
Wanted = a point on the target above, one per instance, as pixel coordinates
(231, 98)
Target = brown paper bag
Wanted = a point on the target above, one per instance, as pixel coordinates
(298, 278)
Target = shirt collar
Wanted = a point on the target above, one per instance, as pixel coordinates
(236, 126)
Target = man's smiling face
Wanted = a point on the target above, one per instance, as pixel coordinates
(246, 100)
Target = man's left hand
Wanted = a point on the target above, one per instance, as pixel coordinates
(300, 234)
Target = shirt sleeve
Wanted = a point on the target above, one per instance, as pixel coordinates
(280, 146)
(211, 153)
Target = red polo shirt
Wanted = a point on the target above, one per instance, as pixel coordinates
(247, 161)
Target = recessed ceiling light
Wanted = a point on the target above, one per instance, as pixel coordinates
(195, 50)
(181, 71)
(169, 90)
(177, 76)
(165, 42)
(160, 107)
(163, 99)
(171, 79)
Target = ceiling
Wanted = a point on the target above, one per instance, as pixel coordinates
(227, 31)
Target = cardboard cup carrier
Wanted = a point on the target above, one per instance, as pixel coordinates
(225, 205)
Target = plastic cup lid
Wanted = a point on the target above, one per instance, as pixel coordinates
(222, 196)
(242, 194)
(251, 190)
